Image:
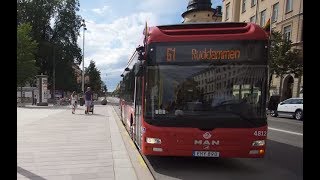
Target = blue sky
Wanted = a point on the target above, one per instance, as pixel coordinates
(114, 30)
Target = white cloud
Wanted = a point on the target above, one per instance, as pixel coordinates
(83, 10)
(115, 30)
(102, 11)
(164, 6)
(126, 32)
(111, 45)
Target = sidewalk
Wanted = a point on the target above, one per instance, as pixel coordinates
(29, 105)
(65, 146)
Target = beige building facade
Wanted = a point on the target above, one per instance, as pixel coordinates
(201, 16)
(286, 16)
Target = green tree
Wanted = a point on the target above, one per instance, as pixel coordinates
(66, 78)
(58, 40)
(26, 48)
(104, 89)
(284, 59)
(94, 77)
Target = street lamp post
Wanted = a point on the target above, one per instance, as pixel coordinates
(54, 76)
(106, 86)
(84, 29)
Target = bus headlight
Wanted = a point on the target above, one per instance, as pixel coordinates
(258, 143)
(153, 140)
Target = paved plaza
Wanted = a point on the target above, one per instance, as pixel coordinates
(55, 144)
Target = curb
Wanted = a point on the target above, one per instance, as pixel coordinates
(141, 168)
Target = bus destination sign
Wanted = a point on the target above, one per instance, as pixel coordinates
(209, 52)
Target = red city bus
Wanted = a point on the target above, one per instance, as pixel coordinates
(198, 90)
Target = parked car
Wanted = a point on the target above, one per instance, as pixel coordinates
(104, 101)
(292, 107)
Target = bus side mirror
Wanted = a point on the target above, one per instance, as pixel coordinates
(140, 48)
(141, 56)
(141, 52)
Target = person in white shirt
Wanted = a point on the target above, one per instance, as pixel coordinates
(74, 98)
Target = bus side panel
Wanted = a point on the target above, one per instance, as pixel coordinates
(127, 112)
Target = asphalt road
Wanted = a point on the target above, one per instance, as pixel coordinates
(281, 162)
(283, 159)
(286, 130)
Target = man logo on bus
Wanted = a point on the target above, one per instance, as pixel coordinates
(206, 142)
(171, 54)
(207, 135)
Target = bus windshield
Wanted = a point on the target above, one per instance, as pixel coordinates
(206, 95)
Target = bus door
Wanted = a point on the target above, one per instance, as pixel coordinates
(138, 111)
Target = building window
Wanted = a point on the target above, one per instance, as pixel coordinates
(253, 3)
(243, 5)
(262, 18)
(287, 32)
(253, 19)
(288, 6)
(275, 9)
(227, 11)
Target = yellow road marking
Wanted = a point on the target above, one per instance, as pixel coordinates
(141, 161)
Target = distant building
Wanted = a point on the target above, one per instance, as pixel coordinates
(201, 11)
(78, 74)
(286, 16)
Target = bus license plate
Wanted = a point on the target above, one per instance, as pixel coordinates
(205, 153)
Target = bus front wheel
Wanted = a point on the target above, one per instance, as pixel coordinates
(273, 113)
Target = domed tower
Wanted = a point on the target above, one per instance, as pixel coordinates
(201, 11)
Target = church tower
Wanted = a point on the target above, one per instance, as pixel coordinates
(201, 11)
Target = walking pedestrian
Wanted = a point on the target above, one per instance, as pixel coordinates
(88, 97)
(74, 99)
(35, 99)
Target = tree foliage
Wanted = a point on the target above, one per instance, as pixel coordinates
(55, 26)
(26, 48)
(103, 87)
(94, 77)
(284, 59)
